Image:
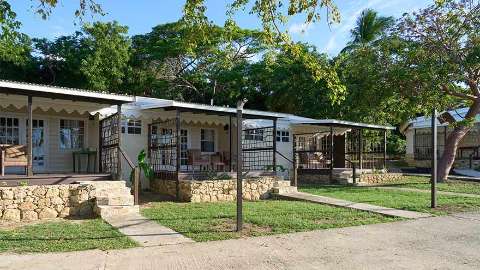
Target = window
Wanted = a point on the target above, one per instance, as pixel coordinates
(72, 134)
(254, 135)
(283, 136)
(9, 130)
(207, 140)
(132, 127)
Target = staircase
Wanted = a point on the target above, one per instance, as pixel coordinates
(113, 198)
(283, 187)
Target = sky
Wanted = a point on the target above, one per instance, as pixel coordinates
(141, 15)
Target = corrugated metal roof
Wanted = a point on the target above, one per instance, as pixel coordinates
(26, 88)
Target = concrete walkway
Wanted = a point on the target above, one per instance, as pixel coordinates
(446, 242)
(302, 196)
(428, 191)
(146, 232)
(468, 172)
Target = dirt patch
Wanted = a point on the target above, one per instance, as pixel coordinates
(455, 208)
(249, 229)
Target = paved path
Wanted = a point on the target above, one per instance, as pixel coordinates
(447, 242)
(428, 191)
(348, 204)
(145, 231)
(468, 172)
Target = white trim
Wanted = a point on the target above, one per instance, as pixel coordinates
(64, 91)
(215, 140)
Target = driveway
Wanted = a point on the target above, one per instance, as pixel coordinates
(449, 242)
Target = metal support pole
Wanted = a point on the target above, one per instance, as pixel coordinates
(178, 154)
(384, 149)
(294, 159)
(119, 133)
(360, 150)
(331, 154)
(240, 105)
(29, 137)
(230, 141)
(274, 157)
(434, 160)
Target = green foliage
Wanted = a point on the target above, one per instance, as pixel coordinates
(396, 144)
(14, 46)
(105, 67)
(144, 165)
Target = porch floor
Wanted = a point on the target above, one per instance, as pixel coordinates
(51, 178)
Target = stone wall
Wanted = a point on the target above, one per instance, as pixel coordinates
(313, 178)
(218, 190)
(379, 178)
(465, 164)
(42, 202)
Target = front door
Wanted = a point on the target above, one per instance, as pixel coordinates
(38, 145)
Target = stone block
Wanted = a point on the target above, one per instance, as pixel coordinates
(29, 215)
(46, 213)
(11, 215)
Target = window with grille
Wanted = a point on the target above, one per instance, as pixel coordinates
(254, 135)
(9, 130)
(207, 140)
(283, 136)
(72, 134)
(133, 127)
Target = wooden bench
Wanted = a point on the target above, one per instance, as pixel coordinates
(13, 156)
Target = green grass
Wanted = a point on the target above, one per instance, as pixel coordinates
(59, 236)
(216, 221)
(424, 183)
(406, 200)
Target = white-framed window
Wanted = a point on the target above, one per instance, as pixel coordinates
(254, 135)
(207, 140)
(72, 134)
(9, 130)
(132, 126)
(283, 136)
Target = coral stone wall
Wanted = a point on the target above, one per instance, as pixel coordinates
(218, 190)
(380, 178)
(42, 202)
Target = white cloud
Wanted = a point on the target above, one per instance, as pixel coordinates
(300, 28)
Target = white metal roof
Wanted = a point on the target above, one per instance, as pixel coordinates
(22, 88)
(149, 104)
(425, 121)
(335, 122)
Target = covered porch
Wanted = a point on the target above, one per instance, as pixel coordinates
(51, 135)
(335, 151)
(194, 141)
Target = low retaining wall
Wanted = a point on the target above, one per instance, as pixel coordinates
(379, 178)
(218, 190)
(43, 202)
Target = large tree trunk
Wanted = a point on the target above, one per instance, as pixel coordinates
(453, 140)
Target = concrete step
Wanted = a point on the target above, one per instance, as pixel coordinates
(105, 184)
(284, 190)
(112, 192)
(115, 200)
(106, 211)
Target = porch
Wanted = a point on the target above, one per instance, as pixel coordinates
(334, 151)
(51, 135)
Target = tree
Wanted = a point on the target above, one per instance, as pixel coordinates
(14, 46)
(439, 64)
(369, 28)
(105, 66)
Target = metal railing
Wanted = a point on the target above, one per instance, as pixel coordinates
(136, 175)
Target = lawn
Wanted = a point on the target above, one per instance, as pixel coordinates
(406, 200)
(450, 185)
(216, 221)
(59, 236)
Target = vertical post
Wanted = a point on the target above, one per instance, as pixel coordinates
(100, 146)
(119, 134)
(149, 141)
(331, 154)
(385, 150)
(230, 141)
(178, 150)
(294, 159)
(360, 149)
(434, 160)
(136, 184)
(274, 145)
(29, 137)
(240, 105)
